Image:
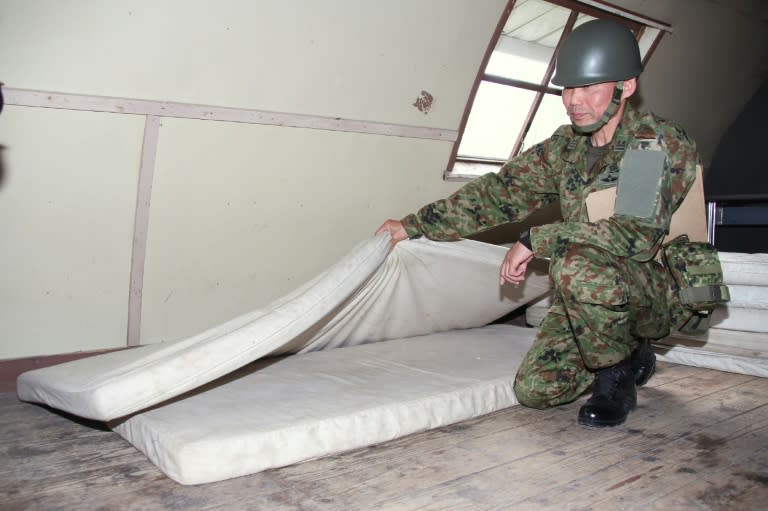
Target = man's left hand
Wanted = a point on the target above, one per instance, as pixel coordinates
(515, 264)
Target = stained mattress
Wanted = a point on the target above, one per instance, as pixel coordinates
(314, 404)
(421, 287)
(266, 389)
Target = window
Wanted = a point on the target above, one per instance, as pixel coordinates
(513, 104)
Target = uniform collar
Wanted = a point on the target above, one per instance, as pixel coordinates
(633, 125)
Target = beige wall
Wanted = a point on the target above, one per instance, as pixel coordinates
(253, 211)
(67, 198)
(242, 213)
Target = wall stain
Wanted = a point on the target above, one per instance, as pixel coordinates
(424, 102)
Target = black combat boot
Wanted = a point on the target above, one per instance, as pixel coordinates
(643, 362)
(613, 397)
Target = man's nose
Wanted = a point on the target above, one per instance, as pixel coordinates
(576, 96)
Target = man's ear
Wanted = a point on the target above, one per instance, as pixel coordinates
(630, 86)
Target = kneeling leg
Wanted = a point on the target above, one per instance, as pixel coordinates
(552, 372)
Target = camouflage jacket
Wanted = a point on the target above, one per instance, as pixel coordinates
(556, 170)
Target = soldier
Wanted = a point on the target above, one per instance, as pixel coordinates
(610, 296)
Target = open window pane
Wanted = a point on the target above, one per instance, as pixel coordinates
(505, 109)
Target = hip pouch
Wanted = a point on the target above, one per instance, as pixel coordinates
(697, 280)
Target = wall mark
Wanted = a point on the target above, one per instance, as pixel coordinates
(424, 102)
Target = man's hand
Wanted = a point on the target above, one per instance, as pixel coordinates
(515, 264)
(396, 231)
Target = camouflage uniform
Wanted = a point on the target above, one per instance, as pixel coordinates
(608, 289)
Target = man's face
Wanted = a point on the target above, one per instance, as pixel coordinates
(586, 105)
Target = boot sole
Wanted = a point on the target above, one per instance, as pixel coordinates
(600, 424)
(595, 424)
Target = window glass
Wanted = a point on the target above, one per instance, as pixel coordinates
(519, 72)
(527, 42)
(549, 117)
(502, 107)
(518, 60)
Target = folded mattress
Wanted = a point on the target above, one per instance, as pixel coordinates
(744, 269)
(743, 296)
(421, 287)
(724, 350)
(745, 344)
(536, 311)
(315, 404)
(743, 319)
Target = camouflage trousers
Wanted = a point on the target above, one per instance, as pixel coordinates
(602, 305)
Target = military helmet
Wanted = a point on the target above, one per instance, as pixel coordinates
(597, 51)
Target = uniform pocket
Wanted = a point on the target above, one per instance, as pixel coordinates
(609, 293)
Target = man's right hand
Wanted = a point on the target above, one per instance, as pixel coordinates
(396, 231)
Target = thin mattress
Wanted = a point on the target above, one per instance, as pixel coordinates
(744, 269)
(428, 300)
(315, 404)
(421, 287)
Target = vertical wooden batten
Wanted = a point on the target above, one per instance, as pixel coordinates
(141, 226)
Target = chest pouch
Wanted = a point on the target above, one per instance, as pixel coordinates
(697, 280)
(640, 181)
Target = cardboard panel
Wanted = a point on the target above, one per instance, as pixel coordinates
(690, 218)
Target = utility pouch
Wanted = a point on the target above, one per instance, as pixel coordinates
(698, 280)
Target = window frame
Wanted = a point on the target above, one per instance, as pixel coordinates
(595, 8)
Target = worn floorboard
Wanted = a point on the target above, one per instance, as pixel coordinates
(698, 441)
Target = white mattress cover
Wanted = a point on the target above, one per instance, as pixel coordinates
(420, 288)
(724, 350)
(752, 297)
(537, 310)
(745, 269)
(748, 344)
(315, 404)
(740, 318)
(714, 360)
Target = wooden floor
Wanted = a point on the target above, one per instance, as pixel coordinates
(698, 440)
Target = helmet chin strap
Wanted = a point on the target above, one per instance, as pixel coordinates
(613, 107)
